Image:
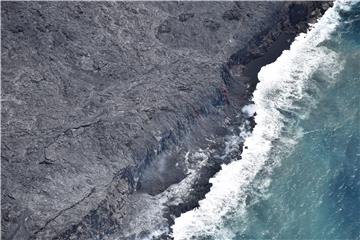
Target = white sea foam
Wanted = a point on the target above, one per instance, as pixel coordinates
(249, 110)
(286, 92)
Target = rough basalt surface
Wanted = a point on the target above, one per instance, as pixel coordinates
(101, 101)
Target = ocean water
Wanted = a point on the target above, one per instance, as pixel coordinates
(299, 173)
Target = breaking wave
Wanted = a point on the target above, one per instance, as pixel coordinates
(287, 90)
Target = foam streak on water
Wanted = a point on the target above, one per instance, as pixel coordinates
(284, 95)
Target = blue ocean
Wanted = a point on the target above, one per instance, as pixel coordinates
(299, 173)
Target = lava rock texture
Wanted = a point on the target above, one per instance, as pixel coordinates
(101, 99)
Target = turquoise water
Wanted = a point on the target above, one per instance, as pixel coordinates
(315, 192)
(299, 175)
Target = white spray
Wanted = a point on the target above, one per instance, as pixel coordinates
(283, 91)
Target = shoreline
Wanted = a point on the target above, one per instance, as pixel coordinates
(124, 152)
(249, 74)
(229, 193)
(252, 69)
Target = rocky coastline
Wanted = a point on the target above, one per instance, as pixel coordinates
(116, 114)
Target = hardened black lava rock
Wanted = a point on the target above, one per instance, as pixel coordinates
(97, 97)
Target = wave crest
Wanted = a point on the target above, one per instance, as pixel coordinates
(288, 88)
